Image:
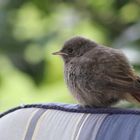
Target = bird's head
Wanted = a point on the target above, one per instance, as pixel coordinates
(75, 47)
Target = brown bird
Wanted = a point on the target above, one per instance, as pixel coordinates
(96, 75)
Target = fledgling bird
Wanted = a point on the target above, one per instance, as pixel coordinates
(98, 76)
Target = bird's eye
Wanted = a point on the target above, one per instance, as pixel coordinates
(70, 50)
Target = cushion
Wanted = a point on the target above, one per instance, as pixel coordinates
(69, 122)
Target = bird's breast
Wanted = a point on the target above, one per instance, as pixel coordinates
(70, 73)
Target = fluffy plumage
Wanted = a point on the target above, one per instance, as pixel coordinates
(97, 75)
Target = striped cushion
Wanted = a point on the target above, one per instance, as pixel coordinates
(69, 122)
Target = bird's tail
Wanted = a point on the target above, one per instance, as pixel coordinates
(136, 96)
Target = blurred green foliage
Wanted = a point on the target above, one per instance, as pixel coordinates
(30, 30)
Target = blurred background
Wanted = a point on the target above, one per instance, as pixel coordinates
(30, 30)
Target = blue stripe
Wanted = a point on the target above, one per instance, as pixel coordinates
(91, 127)
(120, 127)
(33, 123)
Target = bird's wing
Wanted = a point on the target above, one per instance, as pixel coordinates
(109, 71)
(120, 72)
(125, 83)
(121, 76)
(109, 68)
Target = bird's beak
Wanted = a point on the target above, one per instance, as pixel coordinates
(59, 53)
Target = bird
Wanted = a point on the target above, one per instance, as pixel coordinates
(97, 75)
